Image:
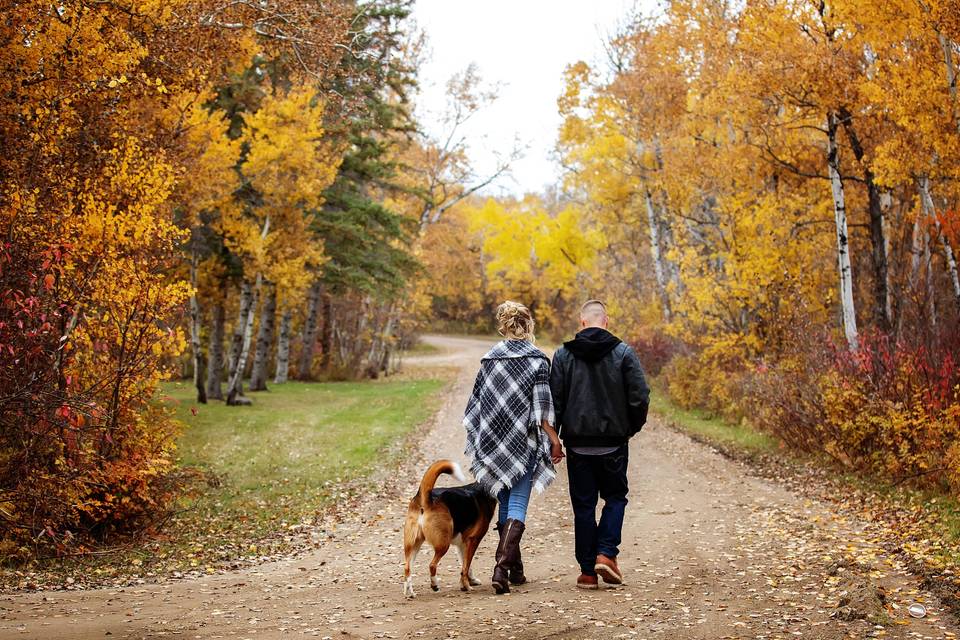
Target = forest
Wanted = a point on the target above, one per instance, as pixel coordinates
(765, 193)
(233, 192)
(238, 194)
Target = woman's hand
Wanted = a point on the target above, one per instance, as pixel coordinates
(556, 451)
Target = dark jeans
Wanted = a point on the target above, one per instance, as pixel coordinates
(592, 477)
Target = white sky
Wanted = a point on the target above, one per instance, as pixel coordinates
(523, 46)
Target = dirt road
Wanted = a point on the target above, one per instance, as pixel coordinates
(710, 552)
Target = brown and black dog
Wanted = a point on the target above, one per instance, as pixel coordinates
(450, 516)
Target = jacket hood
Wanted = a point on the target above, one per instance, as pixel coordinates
(592, 344)
(514, 349)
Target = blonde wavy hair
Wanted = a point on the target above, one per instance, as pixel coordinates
(515, 322)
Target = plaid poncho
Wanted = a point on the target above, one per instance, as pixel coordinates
(510, 399)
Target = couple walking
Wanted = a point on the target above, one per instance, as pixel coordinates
(593, 398)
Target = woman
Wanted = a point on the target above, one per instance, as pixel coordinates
(511, 441)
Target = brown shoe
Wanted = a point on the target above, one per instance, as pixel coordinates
(607, 569)
(587, 582)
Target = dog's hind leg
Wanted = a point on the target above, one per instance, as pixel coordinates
(438, 553)
(461, 549)
(410, 552)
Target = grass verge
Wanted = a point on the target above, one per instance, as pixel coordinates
(742, 438)
(255, 475)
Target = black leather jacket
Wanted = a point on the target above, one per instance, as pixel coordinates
(599, 393)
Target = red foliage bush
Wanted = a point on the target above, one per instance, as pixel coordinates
(655, 350)
(70, 471)
(888, 408)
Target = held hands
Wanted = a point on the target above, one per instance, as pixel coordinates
(556, 451)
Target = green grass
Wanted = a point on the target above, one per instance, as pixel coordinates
(712, 429)
(250, 474)
(280, 457)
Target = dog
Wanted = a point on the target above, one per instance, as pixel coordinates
(451, 516)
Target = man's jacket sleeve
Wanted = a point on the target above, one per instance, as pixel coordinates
(638, 393)
(558, 389)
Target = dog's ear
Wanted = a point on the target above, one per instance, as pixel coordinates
(458, 473)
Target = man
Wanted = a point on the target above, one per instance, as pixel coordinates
(600, 399)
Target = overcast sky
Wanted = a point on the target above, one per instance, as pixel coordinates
(523, 46)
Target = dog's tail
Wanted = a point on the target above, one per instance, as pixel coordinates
(430, 478)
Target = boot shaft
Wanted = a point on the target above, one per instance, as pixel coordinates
(512, 534)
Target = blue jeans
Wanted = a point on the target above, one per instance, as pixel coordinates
(514, 501)
(592, 477)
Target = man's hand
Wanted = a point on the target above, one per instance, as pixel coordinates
(556, 449)
(556, 452)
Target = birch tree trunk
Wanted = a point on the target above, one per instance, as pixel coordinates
(283, 348)
(388, 344)
(305, 365)
(235, 384)
(931, 293)
(659, 269)
(916, 252)
(244, 330)
(666, 229)
(239, 329)
(843, 248)
(215, 368)
(878, 242)
(195, 346)
(947, 47)
(930, 213)
(261, 354)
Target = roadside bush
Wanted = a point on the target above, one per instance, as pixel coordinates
(85, 451)
(712, 379)
(887, 409)
(654, 349)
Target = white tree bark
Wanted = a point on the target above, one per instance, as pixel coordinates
(215, 364)
(931, 292)
(930, 213)
(261, 354)
(240, 328)
(886, 201)
(195, 346)
(916, 252)
(947, 47)
(235, 384)
(241, 342)
(666, 229)
(843, 246)
(283, 348)
(659, 268)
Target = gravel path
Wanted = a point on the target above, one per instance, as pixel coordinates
(709, 552)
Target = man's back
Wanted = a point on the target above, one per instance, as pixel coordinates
(599, 392)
